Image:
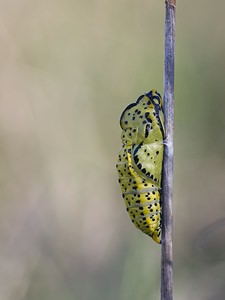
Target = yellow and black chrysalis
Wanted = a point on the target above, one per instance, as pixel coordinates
(140, 162)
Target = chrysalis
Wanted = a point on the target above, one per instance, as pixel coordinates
(140, 162)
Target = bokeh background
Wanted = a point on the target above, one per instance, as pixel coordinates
(68, 69)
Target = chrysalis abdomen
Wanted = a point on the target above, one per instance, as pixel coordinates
(140, 162)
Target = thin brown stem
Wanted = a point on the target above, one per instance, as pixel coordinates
(167, 183)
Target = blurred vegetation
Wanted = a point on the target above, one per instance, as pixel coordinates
(68, 69)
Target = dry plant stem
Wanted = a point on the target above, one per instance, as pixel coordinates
(167, 183)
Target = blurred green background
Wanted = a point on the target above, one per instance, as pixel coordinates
(68, 69)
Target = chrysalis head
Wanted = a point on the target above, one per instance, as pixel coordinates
(144, 114)
(134, 112)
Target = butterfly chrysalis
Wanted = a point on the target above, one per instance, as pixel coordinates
(140, 162)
